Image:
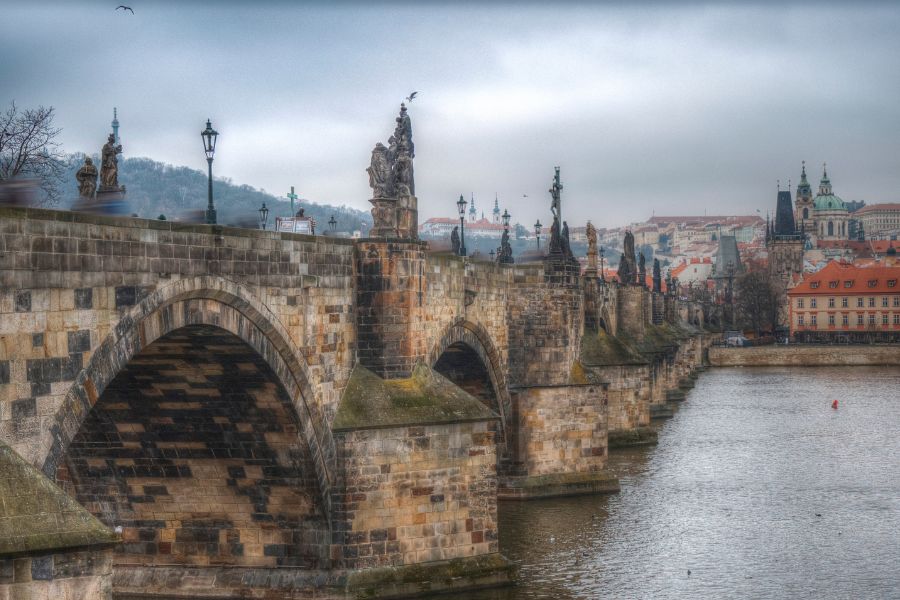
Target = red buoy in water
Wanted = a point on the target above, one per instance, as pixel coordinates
(834, 404)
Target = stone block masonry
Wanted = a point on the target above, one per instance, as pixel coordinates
(796, 355)
(416, 494)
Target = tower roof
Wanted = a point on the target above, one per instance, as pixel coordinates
(803, 188)
(784, 215)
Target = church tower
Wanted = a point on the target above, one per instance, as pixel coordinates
(473, 215)
(804, 204)
(784, 243)
(496, 210)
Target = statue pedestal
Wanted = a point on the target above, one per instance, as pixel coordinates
(408, 217)
(384, 218)
(111, 201)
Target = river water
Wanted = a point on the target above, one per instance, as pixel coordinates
(757, 487)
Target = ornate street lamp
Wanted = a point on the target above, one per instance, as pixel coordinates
(461, 205)
(263, 216)
(209, 136)
(537, 232)
(493, 254)
(332, 223)
(505, 218)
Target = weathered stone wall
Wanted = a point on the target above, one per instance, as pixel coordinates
(562, 429)
(628, 395)
(71, 284)
(804, 356)
(545, 326)
(193, 450)
(632, 314)
(79, 574)
(416, 494)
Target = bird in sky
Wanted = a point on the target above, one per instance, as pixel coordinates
(123, 7)
(412, 96)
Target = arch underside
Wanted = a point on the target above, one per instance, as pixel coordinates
(466, 355)
(193, 450)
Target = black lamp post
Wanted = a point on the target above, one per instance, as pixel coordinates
(505, 218)
(209, 136)
(602, 271)
(461, 205)
(493, 254)
(263, 216)
(537, 232)
(332, 223)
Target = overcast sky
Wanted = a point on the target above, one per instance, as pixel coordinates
(671, 108)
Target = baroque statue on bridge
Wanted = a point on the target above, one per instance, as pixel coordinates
(642, 270)
(505, 255)
(591, 234)
(627, 268)
(657, 277)
(454, 240)
(393, 183)
(109, 165)
(87, 179)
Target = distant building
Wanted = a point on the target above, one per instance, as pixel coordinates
(879, 219)
(441, 227)
(728, 260)
(848, 302)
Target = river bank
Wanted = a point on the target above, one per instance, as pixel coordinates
(799, 355)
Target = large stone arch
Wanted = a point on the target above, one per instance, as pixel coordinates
(206, 300)
(479, 340)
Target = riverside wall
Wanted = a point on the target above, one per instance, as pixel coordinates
(805, 356)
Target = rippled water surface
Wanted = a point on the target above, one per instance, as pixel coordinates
(757, 487)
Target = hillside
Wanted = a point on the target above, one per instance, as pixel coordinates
(154, 188)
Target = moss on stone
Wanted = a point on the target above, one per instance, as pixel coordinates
(425, 398)
(602, 350)
(36, 515)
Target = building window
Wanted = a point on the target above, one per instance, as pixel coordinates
(896, 300)
(896, 319)
(843, 303)
(831, 303)
(800, 320)
(812, 303)
(884, 319)
(812, 320)
(871, 302)
(845, 320)
(884, 302)
(799, 302)
(892, 282)
(873, 283)
(859, 319)
(831, 319)
(859, 303)
(871, 319)
(832, 284)
(848, 283)
(814, 284)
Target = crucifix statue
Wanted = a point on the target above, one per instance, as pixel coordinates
(292, 196)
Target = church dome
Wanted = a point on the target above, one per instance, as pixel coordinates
(828, 202)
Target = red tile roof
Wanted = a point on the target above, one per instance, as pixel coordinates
(875, 279)
(873, 207)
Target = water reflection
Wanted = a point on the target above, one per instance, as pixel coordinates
(758, 487)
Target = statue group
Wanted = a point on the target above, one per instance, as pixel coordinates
(392, 180)
(109, 173)
(560, 249)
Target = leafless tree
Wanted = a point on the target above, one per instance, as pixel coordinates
(29, 150)
(758, 300)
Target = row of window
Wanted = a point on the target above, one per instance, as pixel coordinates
(849, 283)
(813, 302)
(845, 320)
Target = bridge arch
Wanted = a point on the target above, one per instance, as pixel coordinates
(474, 340)
(206, 300)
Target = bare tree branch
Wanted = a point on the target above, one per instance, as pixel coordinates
(29, 150)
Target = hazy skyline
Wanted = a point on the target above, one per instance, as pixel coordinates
(672, 108)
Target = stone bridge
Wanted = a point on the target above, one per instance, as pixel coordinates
(199, 411)
(237, 401)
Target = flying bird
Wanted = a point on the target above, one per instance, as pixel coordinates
(123, 7)
(412, 96)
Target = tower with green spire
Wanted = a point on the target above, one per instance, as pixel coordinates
(804, 203)
(496, 210)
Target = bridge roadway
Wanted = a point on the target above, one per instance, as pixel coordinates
(239, 403)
